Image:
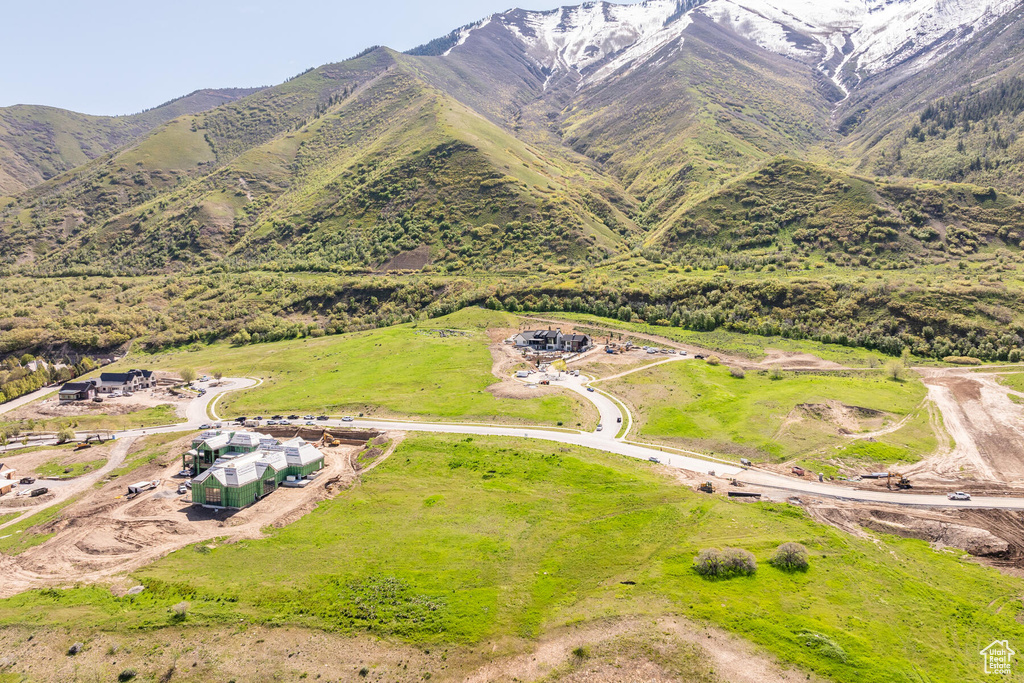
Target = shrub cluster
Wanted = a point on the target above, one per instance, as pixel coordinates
(725, 563)
(790, 557)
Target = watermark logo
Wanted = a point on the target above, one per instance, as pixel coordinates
(997, 657)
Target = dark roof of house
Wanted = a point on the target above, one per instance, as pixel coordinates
(123, 377)
(542, 334)
(578, 337)
(76, 386)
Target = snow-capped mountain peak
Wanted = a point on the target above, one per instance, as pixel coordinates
(847, 39)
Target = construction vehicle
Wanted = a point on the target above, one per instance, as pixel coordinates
(87, 442)
(736, 482)
(707, 487)
(895, 479)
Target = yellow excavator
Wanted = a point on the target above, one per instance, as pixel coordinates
(898, 481)
(707, 487)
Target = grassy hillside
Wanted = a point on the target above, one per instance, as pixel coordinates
(38, 143)
(510, 540)
(758, 416)
(407, 371)
(796, 209)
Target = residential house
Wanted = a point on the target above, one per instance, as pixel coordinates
(7, 480)
(539, 340)
(77, 391)
(552, 340)
(133, 380)
(575, 343)
(241, 477)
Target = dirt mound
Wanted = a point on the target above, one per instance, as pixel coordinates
(978, 532)
(847, 419)
(791, 360)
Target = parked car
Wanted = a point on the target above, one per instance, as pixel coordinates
(699, 357)
(258, 417)
(590, 388)
(322, 418)
(959, 495)
(241, 419)
(277, 417)
(307, 417)
(182, 489)
(294, 417)
(271, 422)
(310, 423)
(653, 459)
(347, 418)
(204, 426)
(97, 399)
(618, 419)
(600, 427)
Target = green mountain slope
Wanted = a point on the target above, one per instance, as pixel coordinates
(790, 210)
(38, 143)
(347, 166)
(958, 121)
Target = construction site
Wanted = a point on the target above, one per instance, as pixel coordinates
(124, 521)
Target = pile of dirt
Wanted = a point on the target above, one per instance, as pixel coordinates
(996, 536)
(846, 419)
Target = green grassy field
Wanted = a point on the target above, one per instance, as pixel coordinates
(144, 451)
(1014, 381)
(406, 371)
(511, 538)
(19, 537)
(706, 407)
(148, 417)
(59, 467)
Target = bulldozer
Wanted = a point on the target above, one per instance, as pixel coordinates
(898, 481)
(707, 487)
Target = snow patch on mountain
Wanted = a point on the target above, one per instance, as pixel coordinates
(882, 33)
(846, 39)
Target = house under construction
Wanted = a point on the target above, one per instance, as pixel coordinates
(238, 468)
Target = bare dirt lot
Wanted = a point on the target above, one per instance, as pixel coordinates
(106, 534)
(51, 408)
(987, 427)
(612, 651)
(26, 464)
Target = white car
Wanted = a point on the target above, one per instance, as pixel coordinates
(959, 495)
(600, 427)
(347, 418)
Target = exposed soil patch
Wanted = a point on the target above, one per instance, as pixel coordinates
(995, 536)
(106, 534)
(791, 360)
(408, 260)
(52, 408)
(621, 650)
(985, 424)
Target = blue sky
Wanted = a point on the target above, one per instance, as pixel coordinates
(118, 57)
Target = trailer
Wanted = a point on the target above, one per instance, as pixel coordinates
(139, 487)
(41, 491)
(744, 494)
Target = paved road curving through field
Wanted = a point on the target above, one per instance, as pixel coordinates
(605, 440)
